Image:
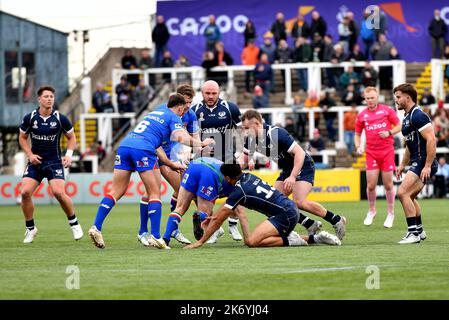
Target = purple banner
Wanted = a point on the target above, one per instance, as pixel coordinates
(186, 20)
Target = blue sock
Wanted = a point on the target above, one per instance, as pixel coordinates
(172, 224)
(143, 215)
(104, 208)
(203, 215)
(155, 214)
(173, 203)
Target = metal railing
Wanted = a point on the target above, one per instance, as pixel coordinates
(197, 74)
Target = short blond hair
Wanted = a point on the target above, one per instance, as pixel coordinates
(369, 89)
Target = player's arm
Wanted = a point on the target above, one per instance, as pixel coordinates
(162, 156)
(23, 142)
(428, 134)
(213, 223)
(184, 137)
(71, 145)
(299, 156)
(357, 143)
(239, 210)
(404, 162)
(394, 130)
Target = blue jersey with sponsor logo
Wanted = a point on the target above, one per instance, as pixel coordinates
(45, 133)
(276, 144)
(254, 193)
(190, 123)
(218, 123)
(156, 127)
(413, 123)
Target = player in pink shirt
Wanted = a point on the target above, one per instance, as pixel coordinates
(380, 123)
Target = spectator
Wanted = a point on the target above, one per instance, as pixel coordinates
(124, 105)
(318, 25)
(367, 34)
(351, 96)
(317, 47)
(167, 62)
(268, 48)
(313, 101)
(437, 31)
(344, 33)
(356, 54)
(317, 143)
(249, 33)
(249, 57)
(259, 99)
(337, 57)
(222, 58)
(300, 28)
(208, 63)
(99, 97)
(441, 179)
(183, 62)
(327, 102)
(381, 49)
(427, 98)
(354, 29)
(394, 54)
(349, 128)
(160, 36)
(146, 62)
(143, 94)
(212, 34)
(369, 75)
(299, 117)
(349, 77)
(263, 74)
(441, 127)
(123, 88)
(283, 55)
(314, 146)
(129, 62)
(290, 127)
(302, 54)
(100, 150)
(107, 104)
(279, 29)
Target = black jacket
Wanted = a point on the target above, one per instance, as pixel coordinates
(437, 28)
(318, 26)
(160, 34)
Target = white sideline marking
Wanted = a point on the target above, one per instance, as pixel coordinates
(321, 269)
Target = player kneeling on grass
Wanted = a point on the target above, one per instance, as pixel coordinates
(254, 193)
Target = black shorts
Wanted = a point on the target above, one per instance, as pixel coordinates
(417, 166)
(307, 172)
(286, 221)
(47, 169)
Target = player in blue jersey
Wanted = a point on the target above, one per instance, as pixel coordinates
(204, 181)
(172, 151)
(254, 193)
(218, 119)
(298, 169)
(420, 155)
(137, 152)
(45, 126)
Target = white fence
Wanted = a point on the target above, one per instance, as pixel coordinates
(197, 74)
(438, 68)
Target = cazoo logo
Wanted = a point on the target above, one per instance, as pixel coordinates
(196, 26)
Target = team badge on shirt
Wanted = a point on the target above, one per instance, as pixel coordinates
(118, 161)
(35, 125)
(201, 118)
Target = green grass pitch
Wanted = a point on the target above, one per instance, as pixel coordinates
(228, 269)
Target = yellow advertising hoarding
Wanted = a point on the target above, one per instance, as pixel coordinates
(330, 185)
